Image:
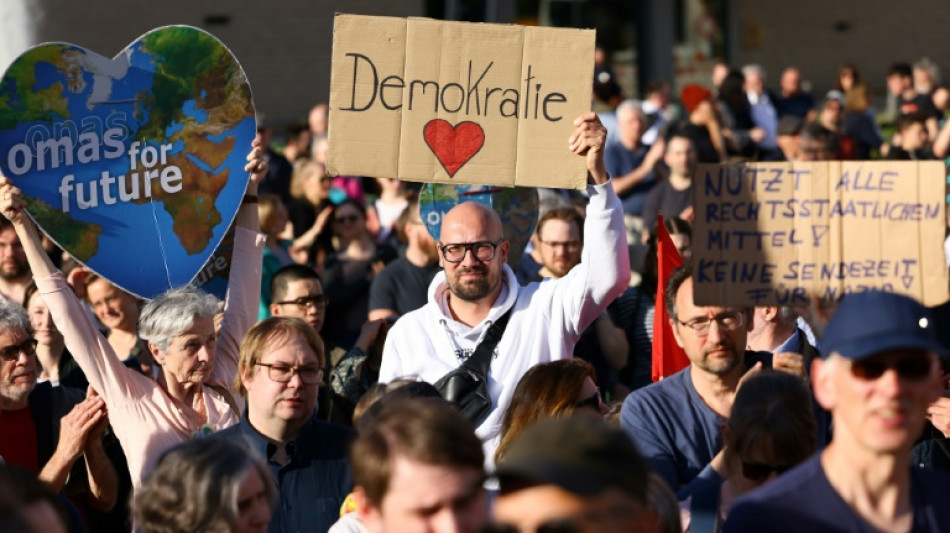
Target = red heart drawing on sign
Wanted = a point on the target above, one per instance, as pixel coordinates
(453, 145)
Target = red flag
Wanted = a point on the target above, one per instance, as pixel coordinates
(668, 357)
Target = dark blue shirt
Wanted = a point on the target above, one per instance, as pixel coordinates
(619, 161)
(803, 500)
(313, 483)
(797, 104)
(675, 430)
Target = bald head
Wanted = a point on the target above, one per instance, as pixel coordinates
(470, 222)
(473, 253)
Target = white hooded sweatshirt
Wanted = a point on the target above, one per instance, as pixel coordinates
(547, 320)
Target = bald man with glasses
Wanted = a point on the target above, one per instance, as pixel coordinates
(477, 289)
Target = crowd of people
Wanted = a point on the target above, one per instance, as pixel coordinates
(365, 375)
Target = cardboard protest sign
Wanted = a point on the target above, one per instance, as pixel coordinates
(516, 207)
(778, 233)
(134, 165)
(436, 101)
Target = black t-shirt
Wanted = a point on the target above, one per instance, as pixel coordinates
(401, 286)
(920, 104)
(665, 197)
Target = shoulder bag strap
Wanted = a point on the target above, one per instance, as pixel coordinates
(481, 359)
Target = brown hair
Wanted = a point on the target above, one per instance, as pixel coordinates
(430, 431)
(546, 390)
(195, 486)
(567, 214)
(271, 331)
(773, 409)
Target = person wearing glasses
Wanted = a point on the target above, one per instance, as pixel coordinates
(51, 432)
(279, 374)
(349, 271)
(560, 241)
(770, 430)
(550, 390)
(677, 422)
(476, 288)
(192, 395)
(881, 372)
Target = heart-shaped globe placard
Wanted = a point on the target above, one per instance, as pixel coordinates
(134, 165)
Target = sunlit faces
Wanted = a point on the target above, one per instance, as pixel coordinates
(310, 305)
(13, 263)
(430, 498)
(115, 308)
(190, 356)
(472, 279)
(589, 401)
(273, 405)
(720, 350)
(630, 124)
(878, 413)
(17, 374)
(44, 330)
(349, 222)
(683, 245)
(560, 246)
(254, 512)
(680, 156)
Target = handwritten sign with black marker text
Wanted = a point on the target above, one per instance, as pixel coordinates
(780, 233)
(457, 102)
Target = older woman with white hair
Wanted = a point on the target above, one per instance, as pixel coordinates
(192, 394)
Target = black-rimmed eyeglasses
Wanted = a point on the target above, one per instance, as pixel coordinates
(484, 251)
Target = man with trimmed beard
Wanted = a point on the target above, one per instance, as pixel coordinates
(477, 289)
(401, 286)
(14, 271)
(677, 422)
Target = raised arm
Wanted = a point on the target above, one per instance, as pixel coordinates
(244, 282)
(604, 270)
(85, 342)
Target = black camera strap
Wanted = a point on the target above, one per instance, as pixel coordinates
(480, 360)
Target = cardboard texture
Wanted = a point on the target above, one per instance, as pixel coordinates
(778, 233)
(456, 102)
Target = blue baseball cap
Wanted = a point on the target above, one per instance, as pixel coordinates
(868, 323)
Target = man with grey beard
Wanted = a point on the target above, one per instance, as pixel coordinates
(50, 431)
(477, 290)
(677, 422)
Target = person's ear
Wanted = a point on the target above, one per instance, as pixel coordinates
(822, 384)
(676, 333)
(157, 354)
(275, 309)
(368, 514)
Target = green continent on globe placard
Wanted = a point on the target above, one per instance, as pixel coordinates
(80, 238)
(193, 72)
(20, 103)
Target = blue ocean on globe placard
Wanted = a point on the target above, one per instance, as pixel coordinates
(517, 207)
(134, 165)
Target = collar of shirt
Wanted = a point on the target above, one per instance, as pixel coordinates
(276, 455)
(790, 344)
